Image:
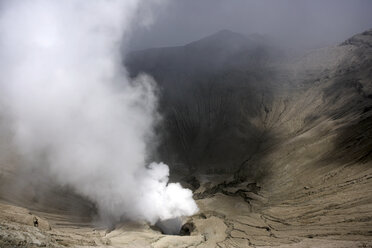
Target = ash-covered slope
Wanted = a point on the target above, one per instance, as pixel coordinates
(330, 108)
(318, 169)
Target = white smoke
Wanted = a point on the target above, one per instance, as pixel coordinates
(75, 112)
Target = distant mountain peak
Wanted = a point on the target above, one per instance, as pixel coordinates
(227, 32)
(222, 38)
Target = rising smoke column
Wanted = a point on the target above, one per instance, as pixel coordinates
(74, 111)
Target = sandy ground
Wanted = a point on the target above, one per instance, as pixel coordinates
(231, 215)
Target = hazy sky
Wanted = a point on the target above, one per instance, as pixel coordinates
(306, 22)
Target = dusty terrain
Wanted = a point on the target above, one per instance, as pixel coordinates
(308, 182)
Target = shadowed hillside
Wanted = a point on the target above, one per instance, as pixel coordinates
(211, 89)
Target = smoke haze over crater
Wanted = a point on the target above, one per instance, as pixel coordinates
(299, 23)
(74, 112)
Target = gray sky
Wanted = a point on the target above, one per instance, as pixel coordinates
(309, 23)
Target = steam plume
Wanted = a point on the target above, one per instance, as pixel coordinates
(74, 111)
